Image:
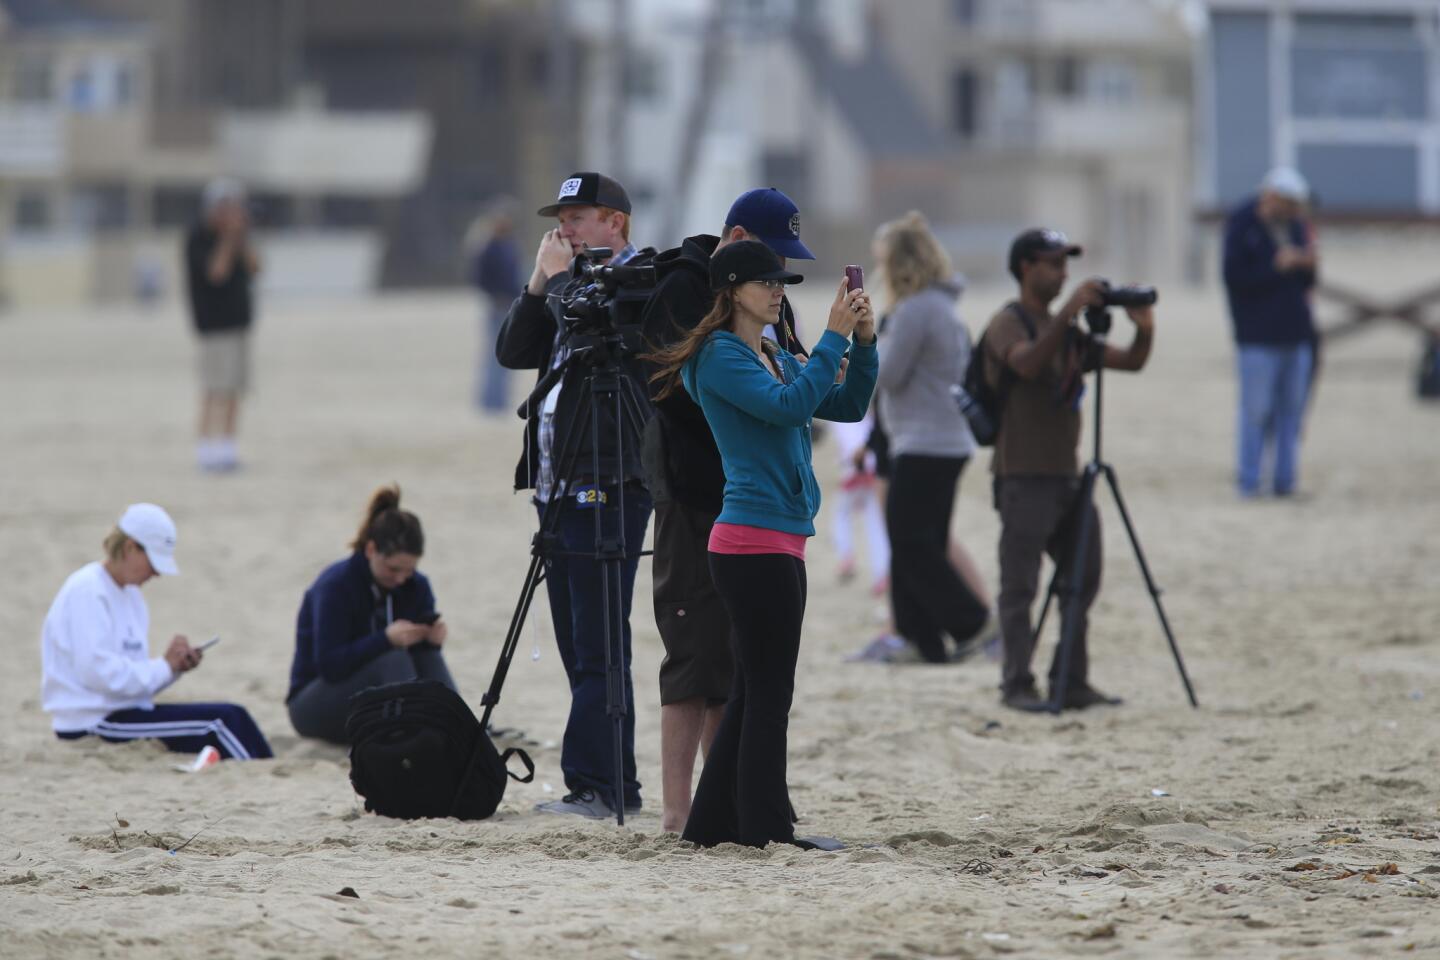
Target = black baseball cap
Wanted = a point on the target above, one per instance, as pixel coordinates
(1033, 242)
(589, 189)
(746, 260)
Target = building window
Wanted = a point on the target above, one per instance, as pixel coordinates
(642, 77)
(100, 207)
(964, 106)
(32, 211)
(538, 67)
(490, 72)
(350, 213)
(966, 12)
(33, 80)
(1067, 77)
(175, 207)
(1111, 81)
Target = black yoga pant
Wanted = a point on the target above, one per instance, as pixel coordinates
(742, 797)
(319, 708)
(928, 597)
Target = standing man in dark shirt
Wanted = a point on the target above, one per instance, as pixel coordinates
(1270, 266)
(220, 266)
(687, 482)
(1037, 359)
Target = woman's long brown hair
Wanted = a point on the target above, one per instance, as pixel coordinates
(672, 359)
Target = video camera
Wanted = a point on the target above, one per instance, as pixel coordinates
(1133, 295)
(595, 306)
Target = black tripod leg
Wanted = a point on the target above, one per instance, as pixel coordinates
(533, 577)
(610, 555)
(1149, 581)
(1074, 575)
(541, 546)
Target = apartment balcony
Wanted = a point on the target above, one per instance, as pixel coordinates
(374, 154)
(1088, 128)
(105, 145)
(32, 140)
(1079, 24)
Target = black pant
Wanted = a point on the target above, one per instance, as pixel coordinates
(926, 594)
(319, 708)
(742, 796)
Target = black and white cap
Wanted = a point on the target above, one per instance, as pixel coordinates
(589, 190)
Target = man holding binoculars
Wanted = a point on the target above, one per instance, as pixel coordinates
(1036, 360)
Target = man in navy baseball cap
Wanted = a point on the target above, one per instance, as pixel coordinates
(772, 218)
(687, 483)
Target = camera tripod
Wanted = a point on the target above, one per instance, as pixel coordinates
(1068, 578)
(606, 386)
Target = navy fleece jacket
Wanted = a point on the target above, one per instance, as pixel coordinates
(762, 426)
(1268, 307)
(343, 617)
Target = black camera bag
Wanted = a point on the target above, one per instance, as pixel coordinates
(983, 403)
(416, 750)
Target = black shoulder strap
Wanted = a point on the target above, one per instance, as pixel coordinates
(1014, 307)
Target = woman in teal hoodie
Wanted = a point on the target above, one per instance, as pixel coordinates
(759, 400)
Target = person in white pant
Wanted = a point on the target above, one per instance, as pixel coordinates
(98, 676)
(859, 495)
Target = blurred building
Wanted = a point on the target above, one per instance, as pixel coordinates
(988, 115)
(1346, 92)
(369, 133)
(1068, 113)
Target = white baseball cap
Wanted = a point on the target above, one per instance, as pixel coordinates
(152, 528)
(1287, 182)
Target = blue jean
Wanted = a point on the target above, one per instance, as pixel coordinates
(577, 609)
(492, 381)
(1274, 385)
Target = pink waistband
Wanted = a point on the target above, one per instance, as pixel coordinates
(739, 538)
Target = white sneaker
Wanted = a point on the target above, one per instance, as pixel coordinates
(582, 803)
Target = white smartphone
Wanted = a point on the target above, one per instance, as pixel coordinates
(209, 643)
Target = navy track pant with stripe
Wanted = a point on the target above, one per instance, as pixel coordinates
(186, 728)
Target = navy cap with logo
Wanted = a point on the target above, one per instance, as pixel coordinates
(1032, 243)
(589, 189)
(747, 260)
(773, 219)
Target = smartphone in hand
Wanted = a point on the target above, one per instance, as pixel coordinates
(854, 277)
(428, 619)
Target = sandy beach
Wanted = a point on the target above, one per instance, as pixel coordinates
(1293, 815)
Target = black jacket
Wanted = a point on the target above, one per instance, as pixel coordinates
(215, 306)
(694, 474)
(527, 342)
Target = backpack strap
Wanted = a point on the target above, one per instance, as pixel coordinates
(1014, 307)
(524, 758)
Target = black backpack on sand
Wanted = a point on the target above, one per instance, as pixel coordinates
(981, 403)
(416, 750)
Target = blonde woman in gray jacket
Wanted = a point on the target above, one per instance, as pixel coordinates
(926, 350)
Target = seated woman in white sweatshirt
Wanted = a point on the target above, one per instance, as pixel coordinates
(99, 677)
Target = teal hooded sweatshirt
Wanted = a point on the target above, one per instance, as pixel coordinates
(762, 425)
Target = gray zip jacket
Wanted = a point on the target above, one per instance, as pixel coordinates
(924, 353)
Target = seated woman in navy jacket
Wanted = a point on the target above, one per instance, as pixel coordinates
(367, 620)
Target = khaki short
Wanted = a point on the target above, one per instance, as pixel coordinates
(225, 361)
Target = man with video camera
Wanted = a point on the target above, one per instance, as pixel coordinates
(687, 481)
(540, 333)
(1036, 360)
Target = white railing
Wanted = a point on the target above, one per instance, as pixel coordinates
(32, 140)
